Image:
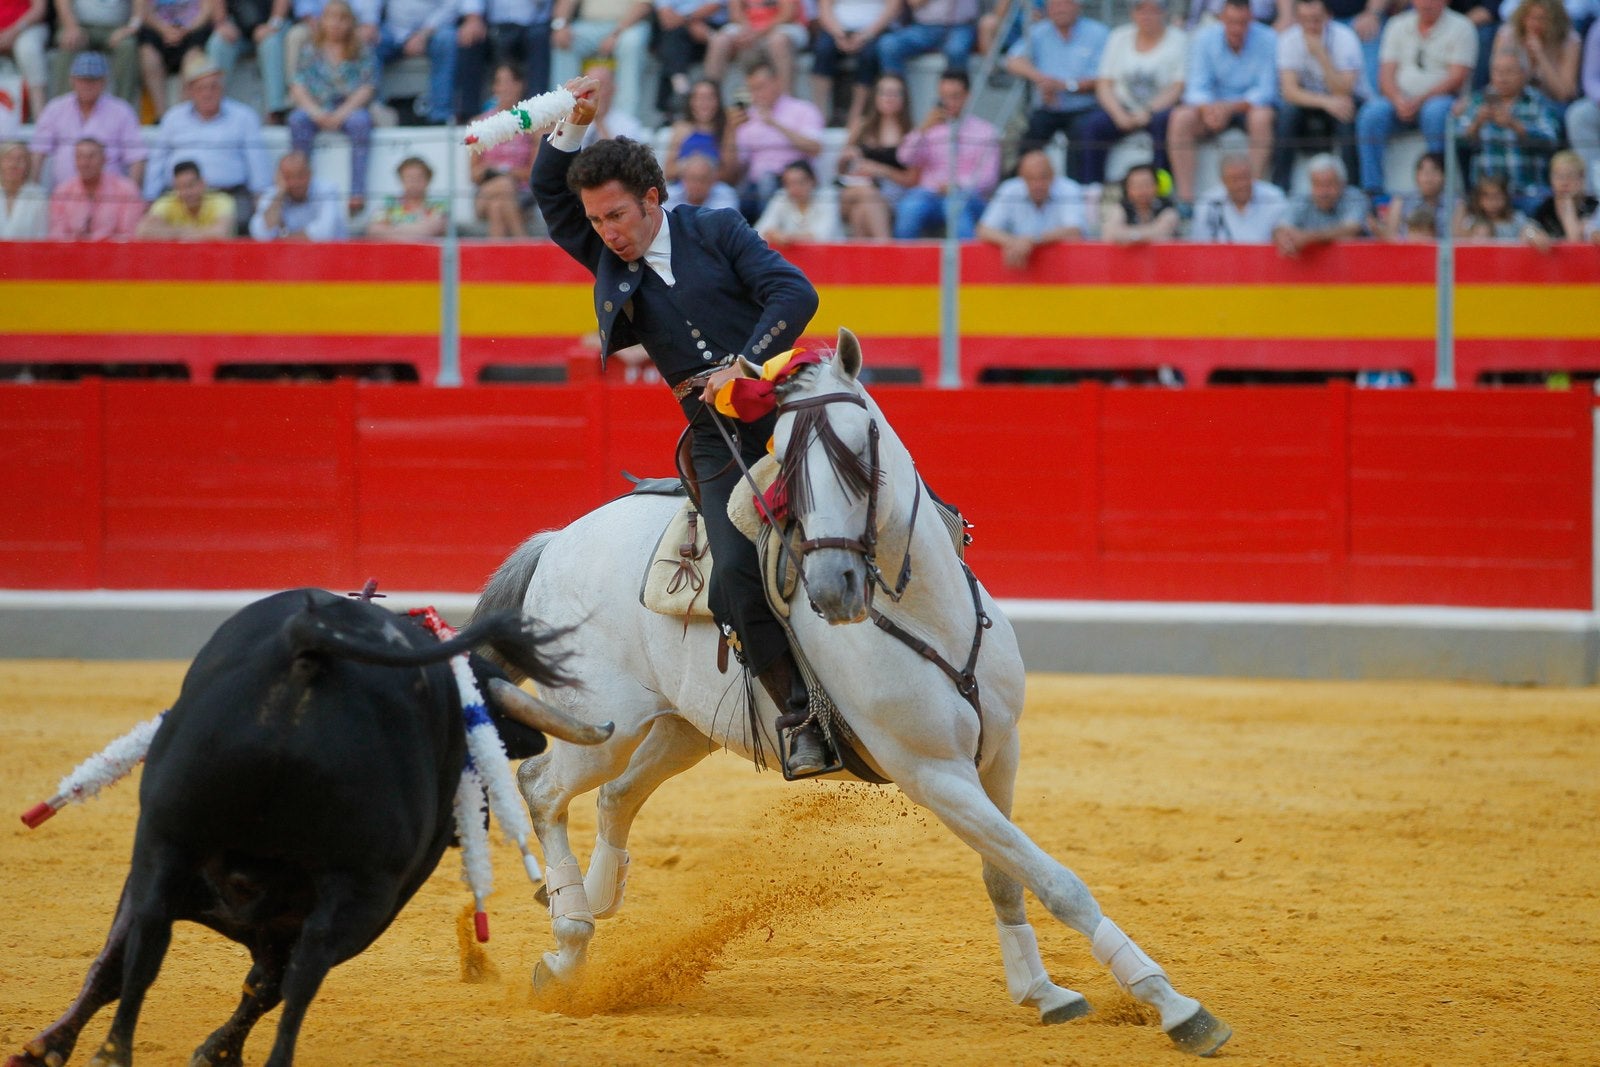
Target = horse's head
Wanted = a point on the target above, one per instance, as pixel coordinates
(827, 443)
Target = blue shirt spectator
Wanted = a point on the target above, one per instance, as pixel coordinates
(223, 136)
(1217, 72)
(1060, 55)
(299, 207)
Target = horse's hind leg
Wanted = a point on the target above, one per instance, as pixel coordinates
(672, 747)
(1026, 979)
(952, 792)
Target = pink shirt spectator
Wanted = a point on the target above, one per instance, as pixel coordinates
(111, 121)
(112, 212)
(977, 156)
(764, 149)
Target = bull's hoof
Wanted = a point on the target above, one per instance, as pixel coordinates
(1201, 1034)
(1064, 1007)
(35, 1054)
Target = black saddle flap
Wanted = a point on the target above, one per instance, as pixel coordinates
(656, 486)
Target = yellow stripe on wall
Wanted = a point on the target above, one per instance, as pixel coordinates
(1191, 311)
(521, 309)
(165, 307)
(1537, 312)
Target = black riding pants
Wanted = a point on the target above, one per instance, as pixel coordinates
(736, 596)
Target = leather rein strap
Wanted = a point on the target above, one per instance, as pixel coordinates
(965, 677)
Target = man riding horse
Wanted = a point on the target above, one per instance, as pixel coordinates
(700, 291)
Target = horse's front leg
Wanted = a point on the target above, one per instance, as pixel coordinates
(1026, 978)
(672, 747)
(548, 783)
(951, 790)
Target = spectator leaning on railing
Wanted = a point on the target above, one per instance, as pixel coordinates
(413, 215)
(1144, 215)
(190, 212)
(1038, 207)
(298, 208)
(1243, 210)
(796, 215)
(95, 205)
(1333, 211)
(1569, 212)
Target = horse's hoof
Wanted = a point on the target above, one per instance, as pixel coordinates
(1201, 1034)
(543, 977)
(1064, 1008)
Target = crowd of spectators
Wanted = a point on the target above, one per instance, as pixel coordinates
(1317, 88)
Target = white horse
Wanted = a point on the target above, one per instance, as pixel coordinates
(660, 683)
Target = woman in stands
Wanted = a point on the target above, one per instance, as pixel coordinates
(1490, 214)
(871, 178)
(1541, 33)
(1144, 214)
(702, 131)
(501, 173)
(167, 30)
(335, 80)
(413, 215)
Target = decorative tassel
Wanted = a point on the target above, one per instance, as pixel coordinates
(534, 113)
(111, 764)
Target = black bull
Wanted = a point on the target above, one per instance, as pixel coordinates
(297, 794)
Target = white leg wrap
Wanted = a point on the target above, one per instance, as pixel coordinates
(1025, 973)
(567, 899)
(1116, 950)
(607, 878)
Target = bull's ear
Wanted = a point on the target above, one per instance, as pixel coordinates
(847, 357)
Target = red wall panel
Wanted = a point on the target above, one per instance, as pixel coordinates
(1295, 495)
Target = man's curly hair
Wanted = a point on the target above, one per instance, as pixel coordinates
(620, 160)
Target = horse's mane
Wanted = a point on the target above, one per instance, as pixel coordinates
(852, 472)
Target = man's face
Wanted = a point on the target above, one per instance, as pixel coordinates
(91, 160)
(207, 94)
(1506, 77)
(1235, 25)
(191, 190)
(1037, 174)
(294, 175)
(698, 178)
(952, 96)
(88, 90)
(624, 222)
(1236, 179)
(1326, 189)
(1428, 11)
(764, 88)
(1313, 18)
(1062, 12)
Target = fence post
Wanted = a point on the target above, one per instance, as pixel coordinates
(450, 272)
(1444, 353)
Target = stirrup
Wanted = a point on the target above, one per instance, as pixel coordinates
(833, 762)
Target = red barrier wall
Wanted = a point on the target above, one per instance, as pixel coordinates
(1289, 495)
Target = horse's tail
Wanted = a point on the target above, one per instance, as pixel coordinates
(506, 589)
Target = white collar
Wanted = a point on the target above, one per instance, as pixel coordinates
(658, 257)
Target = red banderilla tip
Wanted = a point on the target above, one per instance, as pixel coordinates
(480, 925)
(472, 138)
(37, 814)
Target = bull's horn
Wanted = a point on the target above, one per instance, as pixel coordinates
(531, 711)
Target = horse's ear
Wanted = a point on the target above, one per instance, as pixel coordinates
(847, 357)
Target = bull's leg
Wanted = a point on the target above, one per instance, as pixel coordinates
(549, 782)
(951, 790)
(262, 992)
(672, 747)
(348, 916)
(1026, 979)
(101, 986)
(155, 885)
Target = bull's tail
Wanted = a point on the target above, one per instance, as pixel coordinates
(505, 591)
(313, 632)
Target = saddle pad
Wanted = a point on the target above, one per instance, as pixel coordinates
(675, 577)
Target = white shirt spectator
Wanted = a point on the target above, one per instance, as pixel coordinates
(1013, 211)
(1218, 220)
(1344, 50)
(819, 221)
(1422, 62)
(1137, 77)
(26, 217)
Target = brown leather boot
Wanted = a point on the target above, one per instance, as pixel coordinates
(787, 688)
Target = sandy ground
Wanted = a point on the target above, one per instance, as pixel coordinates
(1347, 873)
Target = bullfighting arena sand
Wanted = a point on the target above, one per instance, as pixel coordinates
(1347, 873)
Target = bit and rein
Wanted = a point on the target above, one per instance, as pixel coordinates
(866, 546)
